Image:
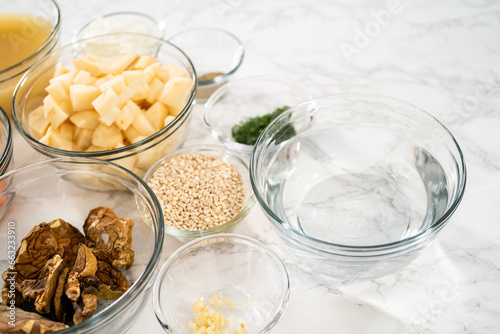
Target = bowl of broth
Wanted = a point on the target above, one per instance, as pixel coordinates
(28, 30)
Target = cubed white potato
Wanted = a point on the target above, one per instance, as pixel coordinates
(169, 119)
(175, 92)
(82, 96)
(81, 64)
(48, 103)
(142, 125)
(66, 79)
(88, 119)
(128, 113)
(154, 88)
(99, 68)
(147, 158)
(131, 133)
(124, 97)
(117, 84)
(174, 112)
(66, 131)
(122, 62)
(138, 139)
(150, 72)
(58, 91)
(91, 57)
(156, 115)
(104, 79)
(128, 162)
(57, 116)
(137, 82)
(83, 78)
(105, 101)
(168, 72)
(83, 140)
(60, 70)
(38, 123)
(110, 116)
(106, 136)
(143, 62)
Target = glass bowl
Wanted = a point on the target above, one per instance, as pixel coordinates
(226, 155)
(240, 100)
(44, 191)
(6, 144)
(231, 274)
(121, 22)
(363, 186)
(137, 157)
(216, 54)
(46, 24)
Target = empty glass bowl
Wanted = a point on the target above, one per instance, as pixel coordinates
(357, 185)
(233, 275)
(216, 54)
(45, 191)
(247, 98)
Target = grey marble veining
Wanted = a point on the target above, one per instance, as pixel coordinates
(441, 56)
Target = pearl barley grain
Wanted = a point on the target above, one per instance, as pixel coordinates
(198, 191)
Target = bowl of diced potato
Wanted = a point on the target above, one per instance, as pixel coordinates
(123, 97)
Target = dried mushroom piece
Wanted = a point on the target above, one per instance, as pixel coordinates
(61, 302)
(42, 289)
(110, 237)
(113, 282)
(41, 244)
(72, 288)
(86, 262)
(26, 322)
(84, 308)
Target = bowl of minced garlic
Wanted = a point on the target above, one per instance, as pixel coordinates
(202, 190)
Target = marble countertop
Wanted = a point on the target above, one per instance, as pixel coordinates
(443, 56)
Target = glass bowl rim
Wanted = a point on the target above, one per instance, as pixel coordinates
(160, 25)
(148, 274)
(207, 148)
(37, 52)
(227, 88)
(128, 149)
(239, 44)
(313, 243)
(249, 241)
(8, 150)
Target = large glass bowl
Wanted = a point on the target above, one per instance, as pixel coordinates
(234, 275)
(44, 191)
(6, 144)
(357, 185)
(43, 12)
(137, 157)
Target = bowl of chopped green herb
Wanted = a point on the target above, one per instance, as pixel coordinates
(239, 111)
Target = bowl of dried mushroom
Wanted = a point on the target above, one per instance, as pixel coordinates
(76, 260)
(202, 190)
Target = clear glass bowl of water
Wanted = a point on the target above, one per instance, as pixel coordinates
(355, 184)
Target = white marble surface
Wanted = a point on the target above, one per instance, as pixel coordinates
(442, 56)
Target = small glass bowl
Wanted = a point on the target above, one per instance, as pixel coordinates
(136, 157)
(6, 144)
(118, 22)
(364, 185)
(248, 280)
(228, 156)
(46, 10)
(246, 98)
(44, 191)
(215, 53)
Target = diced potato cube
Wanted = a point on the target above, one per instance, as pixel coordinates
(105, 102)
(142, 125)
(57, 116)
(81, 96)
(99, 68)
(60, 70)
(38, 123)
(128, 162)
(146, 159)
(81, 64)
(143, 62)
(175, 93)
(85, 119)
(104, 79)
(168, 72)
(66, 79)
(106, 136)
(110, 116)
(66, 131)
(125, 96)
(84, 139)
(48, 103)
(169, 119)
(131, 133)
(83, 78)
(58, 91)
(137, 82)
(123, 62)
(117, 84)
(154, 88)
(156, 115)
(150, 72)
(128, 113)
